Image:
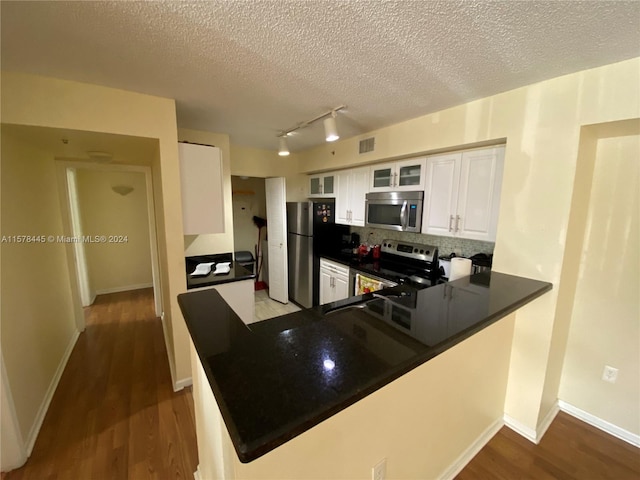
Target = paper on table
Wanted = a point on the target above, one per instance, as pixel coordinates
(202, 269)
(222, 268)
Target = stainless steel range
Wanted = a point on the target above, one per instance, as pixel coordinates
(406, 263)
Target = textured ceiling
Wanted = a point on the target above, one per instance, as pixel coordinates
(251, 68)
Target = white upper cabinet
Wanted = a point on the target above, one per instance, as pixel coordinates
(352, 187)
(400, 175)
(201, 182)
(462, 194)
(322, 185)
(441, 194)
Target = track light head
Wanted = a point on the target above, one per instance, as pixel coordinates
(330, 128)
(283, 151)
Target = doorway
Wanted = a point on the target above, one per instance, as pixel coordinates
(249, 214)
(111, 221)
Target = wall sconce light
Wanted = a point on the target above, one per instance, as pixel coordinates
(330, 129)
(284, 148)
(122, 189)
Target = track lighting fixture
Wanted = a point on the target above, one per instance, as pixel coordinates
(330, 129)
(284, 149)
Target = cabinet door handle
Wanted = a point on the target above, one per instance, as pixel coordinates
(450, 222)
(395, 179)
(321, 188)
(457, 222)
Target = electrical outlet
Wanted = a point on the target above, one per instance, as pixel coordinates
(610, 374)
(379, 471)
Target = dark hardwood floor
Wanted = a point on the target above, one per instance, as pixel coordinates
(571, 449)
(114, 414)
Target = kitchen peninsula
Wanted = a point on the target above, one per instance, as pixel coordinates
(413, 377)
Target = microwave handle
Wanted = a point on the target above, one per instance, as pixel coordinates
(404, 219)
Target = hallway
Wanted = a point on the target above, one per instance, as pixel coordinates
(114, 414)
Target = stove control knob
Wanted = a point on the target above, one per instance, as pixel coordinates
(421, 251)
(428, 252)
(415, 250)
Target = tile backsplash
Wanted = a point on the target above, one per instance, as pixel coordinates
(446, 245)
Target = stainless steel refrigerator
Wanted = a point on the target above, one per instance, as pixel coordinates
(311, 232)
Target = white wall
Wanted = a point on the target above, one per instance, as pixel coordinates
(421, 423)
(41, 101)
(255, 162)
(119, 265)
(38, 326)
(605, 322)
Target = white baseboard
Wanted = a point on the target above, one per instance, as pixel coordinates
(196, 474)
(456, 467)
(46, 401)
(520, 428)
(180, 384)
(170, 359)
(603, 425)
(177, 384)
(534, 436)
(126, 288)
(546, 422)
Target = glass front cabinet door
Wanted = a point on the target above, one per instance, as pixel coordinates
(322, 185)
(401, 175)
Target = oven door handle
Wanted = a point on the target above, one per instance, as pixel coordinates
(404, 218)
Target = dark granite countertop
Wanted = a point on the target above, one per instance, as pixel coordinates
(277, 378)
(237, 271)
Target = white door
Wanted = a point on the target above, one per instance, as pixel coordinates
(342, 197)
(441, 192)
(340, 287)
(277, 238)
(479, 197)
(326, 286)
(359, 187)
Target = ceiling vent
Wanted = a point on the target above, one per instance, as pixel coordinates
(367, 145)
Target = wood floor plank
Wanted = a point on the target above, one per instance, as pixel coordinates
(114, 414)
(571, 450)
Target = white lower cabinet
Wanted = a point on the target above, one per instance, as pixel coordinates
(352, 187)
(334, 281)
(462, 194)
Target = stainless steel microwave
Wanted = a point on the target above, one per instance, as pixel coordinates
(394, 210)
